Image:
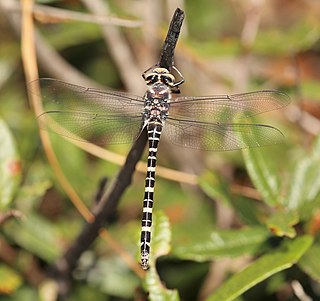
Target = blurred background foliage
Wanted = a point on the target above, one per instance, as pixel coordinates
(248, 229)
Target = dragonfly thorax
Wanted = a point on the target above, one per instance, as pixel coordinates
(157, 102)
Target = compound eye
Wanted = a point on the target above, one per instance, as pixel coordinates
(151, 78)
(168, 79)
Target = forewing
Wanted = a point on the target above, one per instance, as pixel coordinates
(100, 117)
(65, 96)
(220, 136)
(225, 108)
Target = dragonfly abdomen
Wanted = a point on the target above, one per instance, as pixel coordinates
(154, 129)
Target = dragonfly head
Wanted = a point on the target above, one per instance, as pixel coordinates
(160, 75)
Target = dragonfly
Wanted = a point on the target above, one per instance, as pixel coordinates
(215, 123)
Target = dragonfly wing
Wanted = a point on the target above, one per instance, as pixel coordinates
(220, 136)
(100, 129)
(96, 116)
(224, 108)
(61, 95)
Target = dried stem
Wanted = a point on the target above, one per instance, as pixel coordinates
(48, 14)
(118, 49)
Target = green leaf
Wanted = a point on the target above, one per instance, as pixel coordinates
(37, 235)
(161, 237)
(157, 291)
(248, 211)
(263, 174)
(111, 275)
(160, 245)
(305, 182)
(7, 67)
(300, 37)
(310, 89)
(10, 167)
(310, 262)
(283, 258)
(216, 48)
(72, 34)
(9, 280)
(214, 187)
(281, 223)
(32, 193)
(26, 293)
(220, 244)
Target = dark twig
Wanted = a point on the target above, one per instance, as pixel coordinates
(107, 205)
(167, 51)
(103, 213)
(101, 189)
